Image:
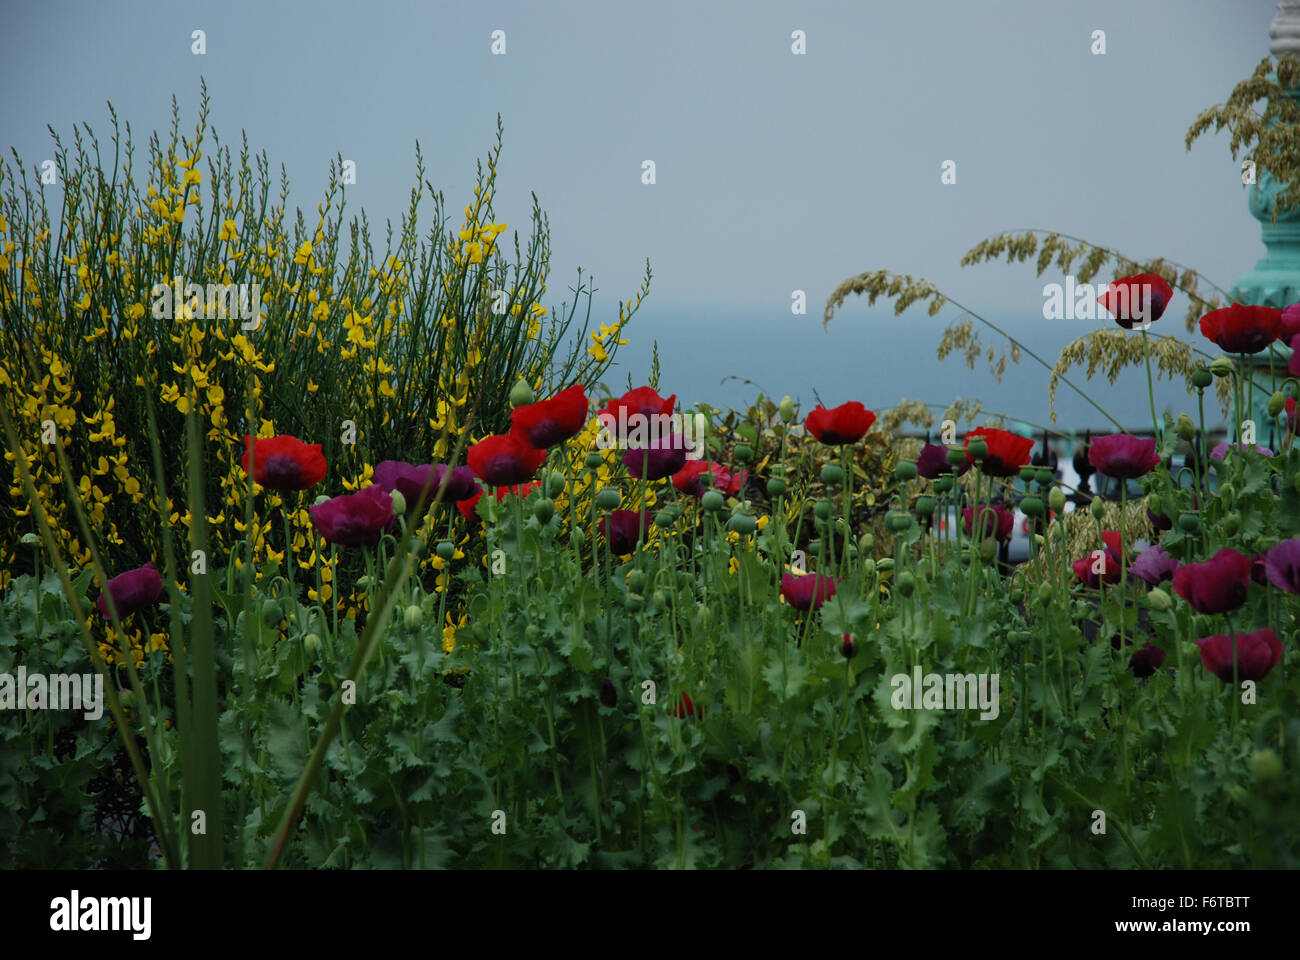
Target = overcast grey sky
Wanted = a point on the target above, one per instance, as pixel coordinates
(774, 171)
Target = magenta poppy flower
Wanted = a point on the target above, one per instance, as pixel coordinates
(1217, 585)
(1154, 565)
(933, 462)
(407, 479)
(1220, 451)
(1123, 456)
(690, 478)
(137, 589)
(809, 591)
(1109, 561)
(1282, 565)
(354, 519)
(1257, 654)
(503, 460)
(1293, 365)
(663, 458)
(623, 529)
(1242, 329)
(1139, 299)
(1289, 323)
(995, 521)
(1146, 661)
(1159, 522)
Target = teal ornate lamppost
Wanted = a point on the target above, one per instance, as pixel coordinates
(1275, 281)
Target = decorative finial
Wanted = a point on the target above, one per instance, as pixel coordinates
(1285, 30)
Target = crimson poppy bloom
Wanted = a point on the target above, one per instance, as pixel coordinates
(690, 478)
(1257, 654)
(847, 423)
(1139, 299)
(503, 460)
(809, 591)
(549, 422)
(643, 402)
(1008, 452)
(623, 529)
(849, 647)
(1146, 661)
(284, 462)
(1111, 562)
(1217, 585)
(1122, 456)
(1154, 565)
(1282, 565)
(1159, 522)
(354, 519)
(933, 462)
(1289, 407)
(467, 506)
(1242, 329)
(1289, 324)
(663, 458)
(995, 521)
(134, 590)
(685, 708)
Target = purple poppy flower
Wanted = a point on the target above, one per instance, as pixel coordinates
(809, 591)
(1218, 585)
(1146, 661)
(1123, 456)
(1154, 565)
(356, 518)
(1218, 452)
(1282, 565)
(134, 590)
(933, 462)
(623, 529)
(663, 458)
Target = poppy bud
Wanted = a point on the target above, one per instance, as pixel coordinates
(989, 549)
(924, 506)
(848, 647)
(1016, 596)
(786, 409)
(1189, 522)
(608, 695)
(399, 501)
(712, 501)
(775, 487)
(743, 452)
(1201, 378)
(555, 484)
(532, 633)
(413, 617)
(543, 510)
(869, 567)
(1056, 499)
(1045, 593)
(832, 475)
(943, 484)
(1231, 524)
(271, 612)
(866, 542)
(1186, 429)
(608, 499)
(659, 599)
(445, 549)
(126, 698)
(906, 583)
(823, 509)
(742, 523)
(906, 470)
(1227, 492)
(1032, 506)
(320, 500)
(1158, 600)
(1098, 508)
(520, 394)
(885, 565)
(1275, 403)
(636, 581)
(593, 460)
(1221, 367)
(311, 643)
(1266, 765)
(577, 538)
(664, 519)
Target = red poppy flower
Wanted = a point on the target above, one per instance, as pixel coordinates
(690, 479)
(809, 591)
(1123, 456)
(1257, 654)
(641, 402)
(1110, 562)
(662, 458)
(1008, 452)
(549, 422)
(134, 590)
(1242, 329)
(354, 518)
(1140, 299)
(503, 460)
(468, 505)
(685, 708)
(1217, 585)
(995, 521)
(847, 423)
(284, 462)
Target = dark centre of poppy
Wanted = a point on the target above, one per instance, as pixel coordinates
(282, 472)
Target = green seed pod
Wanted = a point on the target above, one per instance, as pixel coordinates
(1201, 378)
(1158, 600)
(593, 460)
(413, 617)
(850, 553)
(832, 475)
(1016, 596)
(823, 509)
(445, 549)
(664, 519)
(1186, 428)
(885, 565)
(520, 394)
(1098, 508)
(786, 409)
(1056, 499)
(924, 506)
(905, 470)
(943, 484)
(1045, 593)
(1231, 524)
(1266, 765)
(906, 582)
(543, 510)
(896, 521)
(742, 523)
(978, 448)
(636, 581)
(577, 538)
(712, 501)
(399, 502)
(743, 453)
(1222, 367)
(866, 542)
(1044, 476)
(1028, 473)
(775, 487)
(311, 644)
(126, 698)
(1031, 507)
(532, 633)
(869, 567)
(814, 546)
(555, 484)
(608, 499)
(1189, 522)
(989, 549)
(956, 456)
